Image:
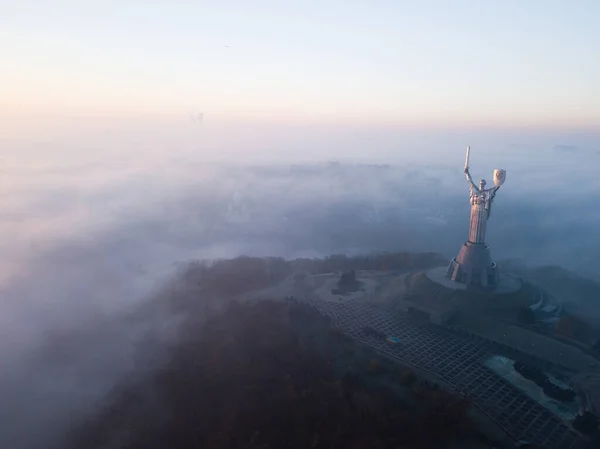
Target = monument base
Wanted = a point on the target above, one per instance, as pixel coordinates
(473, 266)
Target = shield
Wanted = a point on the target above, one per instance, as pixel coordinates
(499, 177)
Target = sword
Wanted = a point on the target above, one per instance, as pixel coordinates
(467, 157)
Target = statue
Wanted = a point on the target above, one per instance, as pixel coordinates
(481, 202)
(473, 264)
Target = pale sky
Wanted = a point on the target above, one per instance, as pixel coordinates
(429, 61)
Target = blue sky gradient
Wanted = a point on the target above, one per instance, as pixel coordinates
(402, 62)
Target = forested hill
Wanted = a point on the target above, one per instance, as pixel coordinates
(272, 375)
(243, 274)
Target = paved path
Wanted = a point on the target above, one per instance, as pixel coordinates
(458, 360)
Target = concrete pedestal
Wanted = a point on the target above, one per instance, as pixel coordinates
(473, 266)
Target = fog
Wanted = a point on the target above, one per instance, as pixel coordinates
(96, 219)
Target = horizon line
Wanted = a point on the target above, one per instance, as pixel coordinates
(171, 116)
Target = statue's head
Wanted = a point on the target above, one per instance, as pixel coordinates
(482, 184)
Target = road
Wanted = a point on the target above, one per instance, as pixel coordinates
(458, 361)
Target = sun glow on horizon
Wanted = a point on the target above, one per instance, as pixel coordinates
(394, 64)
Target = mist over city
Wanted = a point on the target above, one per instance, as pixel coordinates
(89, 243)
(207, 205)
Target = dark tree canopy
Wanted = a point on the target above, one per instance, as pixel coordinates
(526, 316)
(272, 375)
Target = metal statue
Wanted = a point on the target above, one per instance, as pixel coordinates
(473, 265)
(481, 201)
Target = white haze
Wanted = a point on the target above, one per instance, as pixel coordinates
(102, 216)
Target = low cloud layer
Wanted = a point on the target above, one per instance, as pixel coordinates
(85, 244)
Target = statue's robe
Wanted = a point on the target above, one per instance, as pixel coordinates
(481, 206)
